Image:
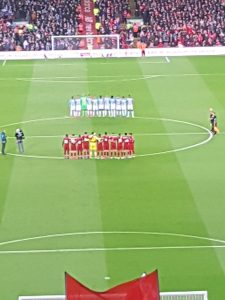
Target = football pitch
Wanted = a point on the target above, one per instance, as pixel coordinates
(108, 221)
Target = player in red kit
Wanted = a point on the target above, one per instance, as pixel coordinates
(85, 142)
(106, 145)
(73, 148)
(126, 145)
(79, 146)
(131, 137)
(119, 146)
(113, 146)
(100, 147)
(66, 146)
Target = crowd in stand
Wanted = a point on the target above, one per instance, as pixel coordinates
(112, 18)
(40, 19)
(182, 22)
(166, 23)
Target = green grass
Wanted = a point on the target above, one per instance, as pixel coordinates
(179, 195)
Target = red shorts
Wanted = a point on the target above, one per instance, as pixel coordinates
(113, 146)
(100, 147)
(106, 146)
(86, 146)
(119, 147)
(73, 147)
(66, 148)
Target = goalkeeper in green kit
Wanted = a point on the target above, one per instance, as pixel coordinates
(84, 106)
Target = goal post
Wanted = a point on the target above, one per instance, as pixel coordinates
(85, 42)
(194, 295)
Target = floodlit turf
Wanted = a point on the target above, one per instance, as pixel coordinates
(115, 218)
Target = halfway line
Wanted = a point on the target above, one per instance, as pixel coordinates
(109, 249)
(136, 134)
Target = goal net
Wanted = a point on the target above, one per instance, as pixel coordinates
(85, 42)
(197, 295)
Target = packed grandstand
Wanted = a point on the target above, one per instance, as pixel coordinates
(30, 24)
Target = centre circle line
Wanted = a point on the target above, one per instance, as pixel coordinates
(210, 136)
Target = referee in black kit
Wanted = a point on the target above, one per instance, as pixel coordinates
(213, 121)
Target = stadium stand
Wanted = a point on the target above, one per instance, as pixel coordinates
(182, 22)
(29, 24)
(111, 18)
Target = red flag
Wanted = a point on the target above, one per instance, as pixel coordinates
(144, 288)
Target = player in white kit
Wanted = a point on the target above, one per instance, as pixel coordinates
(95, 107)
(112, 107)
(124, 106)
(78, 107)
(72, 106)
(100, 106)
(130, 107)
(106, 112)
(89, 107)
(118, 107)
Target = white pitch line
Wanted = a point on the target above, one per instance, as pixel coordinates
(152, 62)
(167, 59)
(39, 136)
(4, 62)
(110, 249)
(123, 78)
(66, 250)
(171, 133)
(135, 134)
(140, 155)
(89, 233)
(119, 75)
(35, 156)
(74, 77)
(35, 120)
(86, 81)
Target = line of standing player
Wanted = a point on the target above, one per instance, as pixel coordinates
(98, 146)
(101, 106)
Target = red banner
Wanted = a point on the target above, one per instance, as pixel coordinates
(144, 288)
